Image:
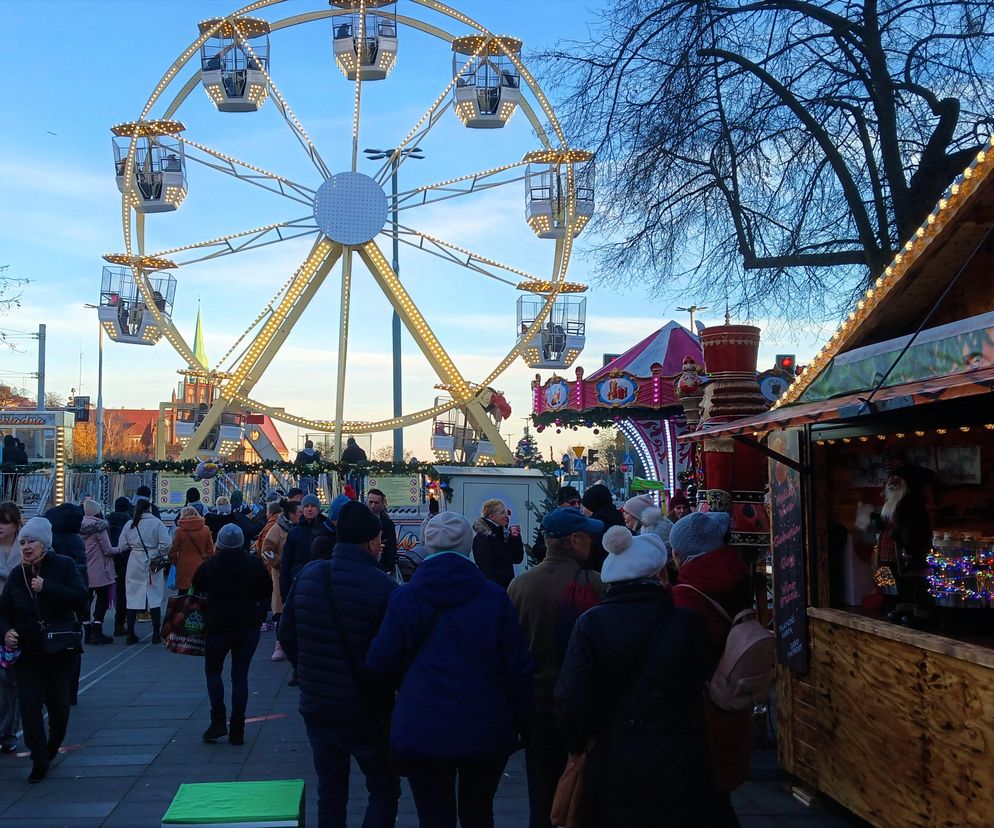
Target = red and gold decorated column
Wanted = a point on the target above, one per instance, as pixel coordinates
(734, 474)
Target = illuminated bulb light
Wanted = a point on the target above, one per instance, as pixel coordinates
(940, 431)
(965, 429)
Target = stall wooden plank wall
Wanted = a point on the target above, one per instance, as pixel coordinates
(904, 733)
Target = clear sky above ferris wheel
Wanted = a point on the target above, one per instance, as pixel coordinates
(73, 68)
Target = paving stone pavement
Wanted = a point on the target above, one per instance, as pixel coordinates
(136, 735)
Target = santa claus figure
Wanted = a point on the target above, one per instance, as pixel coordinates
(905, 541)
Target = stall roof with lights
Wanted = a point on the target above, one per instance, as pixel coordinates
(880, 337)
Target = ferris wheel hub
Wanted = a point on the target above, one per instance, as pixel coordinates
(350, 208)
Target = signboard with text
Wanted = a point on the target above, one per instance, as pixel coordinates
(789, 603)
(399, 489)
(170, 492)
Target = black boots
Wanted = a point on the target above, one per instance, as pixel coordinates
(218, 727)
(236, 730)
(94, 634)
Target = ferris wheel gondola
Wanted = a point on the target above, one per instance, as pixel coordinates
(157, 164)
(347, 211)
(233, 74)
(487, 81)
(365, 43)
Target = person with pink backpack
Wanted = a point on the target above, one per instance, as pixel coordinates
(714, 581)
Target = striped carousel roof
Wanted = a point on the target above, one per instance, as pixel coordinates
(668, 346)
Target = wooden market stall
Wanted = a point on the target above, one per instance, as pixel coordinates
(892, 718)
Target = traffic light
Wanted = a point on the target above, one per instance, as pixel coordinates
(566, 463)
(591, 456)
(787, 363)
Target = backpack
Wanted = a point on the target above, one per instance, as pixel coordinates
(746, 671)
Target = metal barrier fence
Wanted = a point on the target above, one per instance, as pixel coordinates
(254, 486)
(31, 491)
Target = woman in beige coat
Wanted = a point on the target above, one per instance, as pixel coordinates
(272, 554)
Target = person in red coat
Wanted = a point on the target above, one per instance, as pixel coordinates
(708, 569)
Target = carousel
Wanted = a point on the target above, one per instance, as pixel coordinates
(638, 392)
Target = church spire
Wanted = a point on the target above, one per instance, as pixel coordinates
(198, 342)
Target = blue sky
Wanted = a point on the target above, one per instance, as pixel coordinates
(74, 68)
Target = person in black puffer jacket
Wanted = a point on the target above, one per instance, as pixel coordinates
(66, 521)
(239, 591)
(598, 501)
(633, 680)
(116, 521)
(345, 715)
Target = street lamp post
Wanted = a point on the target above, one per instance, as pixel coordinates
(100, 390)
(395, 157)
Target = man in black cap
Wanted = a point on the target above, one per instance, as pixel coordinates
(331, 615)
(549, 598)
(567, 496)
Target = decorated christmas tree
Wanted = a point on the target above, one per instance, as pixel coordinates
(527, 450)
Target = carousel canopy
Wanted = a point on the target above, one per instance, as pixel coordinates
(668, 346)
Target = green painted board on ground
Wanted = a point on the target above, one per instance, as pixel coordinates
(277, 802)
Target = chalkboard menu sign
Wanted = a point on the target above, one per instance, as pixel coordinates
(789, 606)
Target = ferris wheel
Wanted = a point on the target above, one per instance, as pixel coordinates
(348, 212)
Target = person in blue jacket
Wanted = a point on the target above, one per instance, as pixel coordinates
(331, 615)
(452, 642)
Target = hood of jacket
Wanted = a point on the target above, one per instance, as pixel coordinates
(482, 526)
(447, 579)
(92, 525)
(284, 523)
(65, 518)
(191, 523)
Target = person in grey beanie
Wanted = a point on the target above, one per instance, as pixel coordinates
(239, 591)
(45, 592)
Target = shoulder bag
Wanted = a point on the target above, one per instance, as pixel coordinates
(567, 802)
(58, 636)
(156, 564)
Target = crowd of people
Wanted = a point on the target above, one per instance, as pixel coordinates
(438, 673)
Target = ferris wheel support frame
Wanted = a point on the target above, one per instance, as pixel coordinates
(236, 390)
(254, 365)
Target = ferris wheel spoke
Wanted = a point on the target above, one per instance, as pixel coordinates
(454, 187)
(295, 126)
(460, 255)
(306, 280)
(250, 173)
(415, 323)
(244, 240)
(428, 120)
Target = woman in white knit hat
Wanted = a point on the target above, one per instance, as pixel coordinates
(40, 603)
(632, 685)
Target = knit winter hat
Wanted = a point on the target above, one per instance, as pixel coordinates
(699, 533)
(335, 509)
(631, 557)
(349, 492)
(679, 499)
(597, 497)
(449, 531)
(91, 507)
(635, 506)
(566, 494)
(357, 523)
(655, 523)
(122, 504)
(310, 500)
(39, 529)
(230, 537)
